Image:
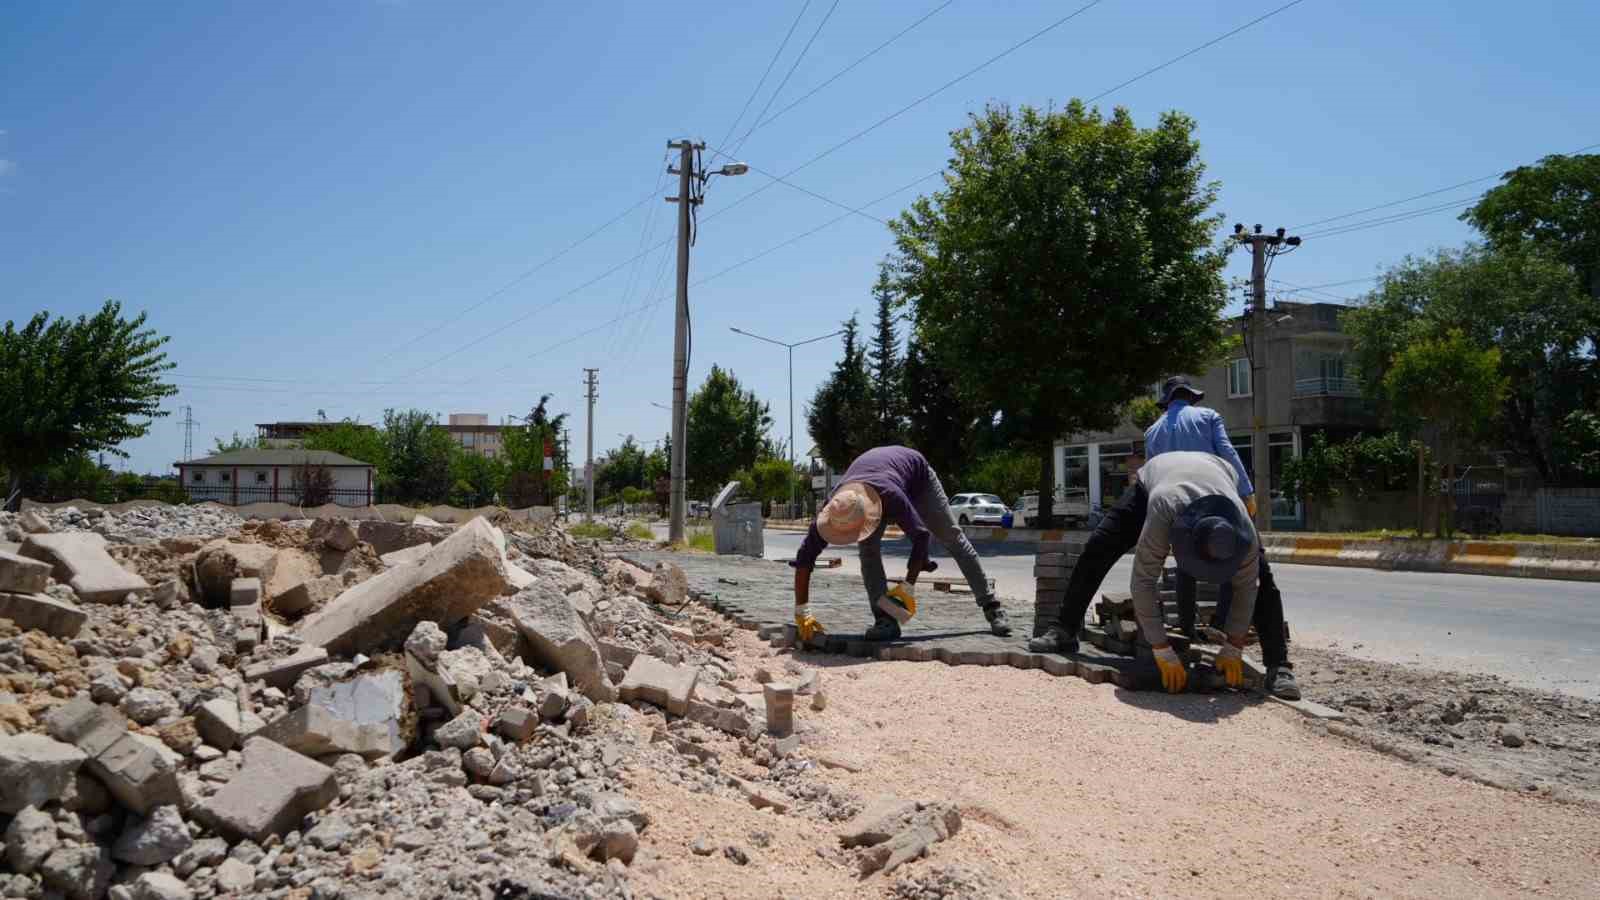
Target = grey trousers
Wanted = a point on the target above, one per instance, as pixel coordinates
(934, 508)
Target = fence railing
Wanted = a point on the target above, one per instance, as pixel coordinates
(225, 494)
(1327, 387)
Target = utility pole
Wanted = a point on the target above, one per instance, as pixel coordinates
(591, 383)
(1263, 247)
(691, 186)
(188, 424)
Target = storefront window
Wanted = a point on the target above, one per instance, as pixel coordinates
(1075, 471)
(1114, 469)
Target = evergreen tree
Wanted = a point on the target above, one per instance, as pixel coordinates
(841, 416)
(887, 391)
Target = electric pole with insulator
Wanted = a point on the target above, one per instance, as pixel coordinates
(1263, 248)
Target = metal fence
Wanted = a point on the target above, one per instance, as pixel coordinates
(229, 494)
(1327, 387)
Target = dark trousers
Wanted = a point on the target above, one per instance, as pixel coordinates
(1268, 615)
(1118, 533)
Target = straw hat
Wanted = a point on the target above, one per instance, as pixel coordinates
(852, 514)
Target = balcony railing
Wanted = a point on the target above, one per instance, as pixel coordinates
(1327, 387)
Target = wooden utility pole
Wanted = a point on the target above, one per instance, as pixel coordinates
(1262, 248)
(591, 383)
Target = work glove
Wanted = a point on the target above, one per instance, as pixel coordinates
(806, 626)
(1250, 504)
(901, 602)
(1230, 662)
(1174, 677)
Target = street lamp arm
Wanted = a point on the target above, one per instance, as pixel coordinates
(815, 339)
(757, 336)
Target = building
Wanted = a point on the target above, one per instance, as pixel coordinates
(271, 476)
(1309, 386)
(473, 433)
(294, 434)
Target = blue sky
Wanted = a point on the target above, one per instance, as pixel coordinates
(337, 205)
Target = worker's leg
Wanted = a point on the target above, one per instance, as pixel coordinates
(1116, 534)
(873, 578)
(1268, 619)
(934, 508)
(1188, 588)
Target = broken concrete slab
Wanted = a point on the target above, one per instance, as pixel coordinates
(336, 534)
(518, 578)
(728, 721)
(763, 797)
(516, 723)
(462, 573)
(57, 618)
(387, 537)
(35, 770)
(221, 561)
(80, 559)
(406, 556)
(557, 638)
(364, 715)
(308, 595)
(244, 604)
(422, 520)
(33, 523)
(223, 725)
(653, 681)
(282, 673)
(141, 774)
(894, 832)
(462, 733)
(273, 791)
(21, 575)
(78, 872)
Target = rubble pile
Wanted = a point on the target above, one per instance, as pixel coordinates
(292, 710)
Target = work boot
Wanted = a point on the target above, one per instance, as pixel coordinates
(883, 629)
(1280, 683)
(1054, 640)
(999, 625)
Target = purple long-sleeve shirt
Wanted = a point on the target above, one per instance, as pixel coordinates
(899, 475)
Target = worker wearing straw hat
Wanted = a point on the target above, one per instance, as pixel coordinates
(884, 485)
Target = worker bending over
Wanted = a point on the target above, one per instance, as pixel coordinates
(1195, 511)
(883, 485)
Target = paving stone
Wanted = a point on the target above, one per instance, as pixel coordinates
(222, 724)
(463, 572)
(663, 684)
(558, 638)
(282, 673)
(779, 699)
(57, 618)
(274, 789)
(139, 773)
(21, 575)
(79, 559)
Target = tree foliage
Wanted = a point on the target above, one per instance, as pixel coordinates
(621, 467)
(417, 452)
(1552, 207)
(475, 480)
(842, 417)
(353, 439)
(1005, 473)
(238, 442)
(1447, 388)
(770, 481)
(1360, 466)
(527, 482)
(727, 429)
(76, 386)
(888, 385)
(311, 484)
(1077, 242)
(940, 422)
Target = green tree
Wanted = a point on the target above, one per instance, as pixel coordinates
(70, 387)
(1360, 466)
(842, 416)
(475, 480)
(621, 467)
(312, 485)
(238, 443)
(770, 480)
(1447, 389)
(1580, 443)
(887, 382)
(527, 482)
(1006, 473)
(1553, 206)
(418, 454)
(1079, 243)
(940, 423)
(353, 439)
(727, 428)
(1520, 301)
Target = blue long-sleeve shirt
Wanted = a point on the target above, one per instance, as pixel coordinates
(1197, 429)
(900, 476)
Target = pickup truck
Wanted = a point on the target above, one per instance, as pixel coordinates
(1070, 506)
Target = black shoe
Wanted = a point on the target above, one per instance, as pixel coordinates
(1280, 683)
(999, 625)
(883, 629)
(1054, 640)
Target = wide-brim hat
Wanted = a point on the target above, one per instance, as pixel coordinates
(1212, 538)
(851, 515)
(1175, 384)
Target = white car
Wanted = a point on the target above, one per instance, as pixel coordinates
(1070, 506)
(977, 509)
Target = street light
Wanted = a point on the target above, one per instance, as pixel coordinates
(790, 348)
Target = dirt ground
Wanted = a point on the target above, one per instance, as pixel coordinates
(1072, 789)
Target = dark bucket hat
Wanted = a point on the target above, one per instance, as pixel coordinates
(1211, 539)
(1175, 384)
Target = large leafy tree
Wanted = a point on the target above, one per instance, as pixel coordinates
(621, 467)
(727, 429)
(1519, 300)
(1553, 206)
(475, 480)
(418, 454)
(842, 416)
(526, 482)
(940, 423)
(74, 386)
(1080, 243)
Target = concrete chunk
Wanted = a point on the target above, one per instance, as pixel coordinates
(667, 686)
(336, 534)
(730, 721)
(557, 638)
(86, 725)
(282, 673)
(157, 838)
(21, 575)
(35, 770)
(222, 724)
(780, 708)
(272, 792)
(79, 872)
(57, 618)
(29, 839)
(80, 559)
(462, 573)
(138, 773)
(33, 523)
(308, 595)
(668, 585)
(407, 556)
(362, 715)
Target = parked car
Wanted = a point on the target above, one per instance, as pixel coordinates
(1070, 506)
(977, 509)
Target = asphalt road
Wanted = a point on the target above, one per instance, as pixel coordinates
(1534, 633)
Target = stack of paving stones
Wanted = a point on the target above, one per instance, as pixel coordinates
(1052, 568)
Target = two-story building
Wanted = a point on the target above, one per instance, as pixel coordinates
(470, 431)
(1308, 380)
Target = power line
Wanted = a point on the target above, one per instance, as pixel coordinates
(770, 63)
(787, 75)
(1185, 55)
(1392, 219)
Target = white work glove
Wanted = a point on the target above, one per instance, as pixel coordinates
(1230, 662)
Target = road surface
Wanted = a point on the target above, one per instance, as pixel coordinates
(1534, 633)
